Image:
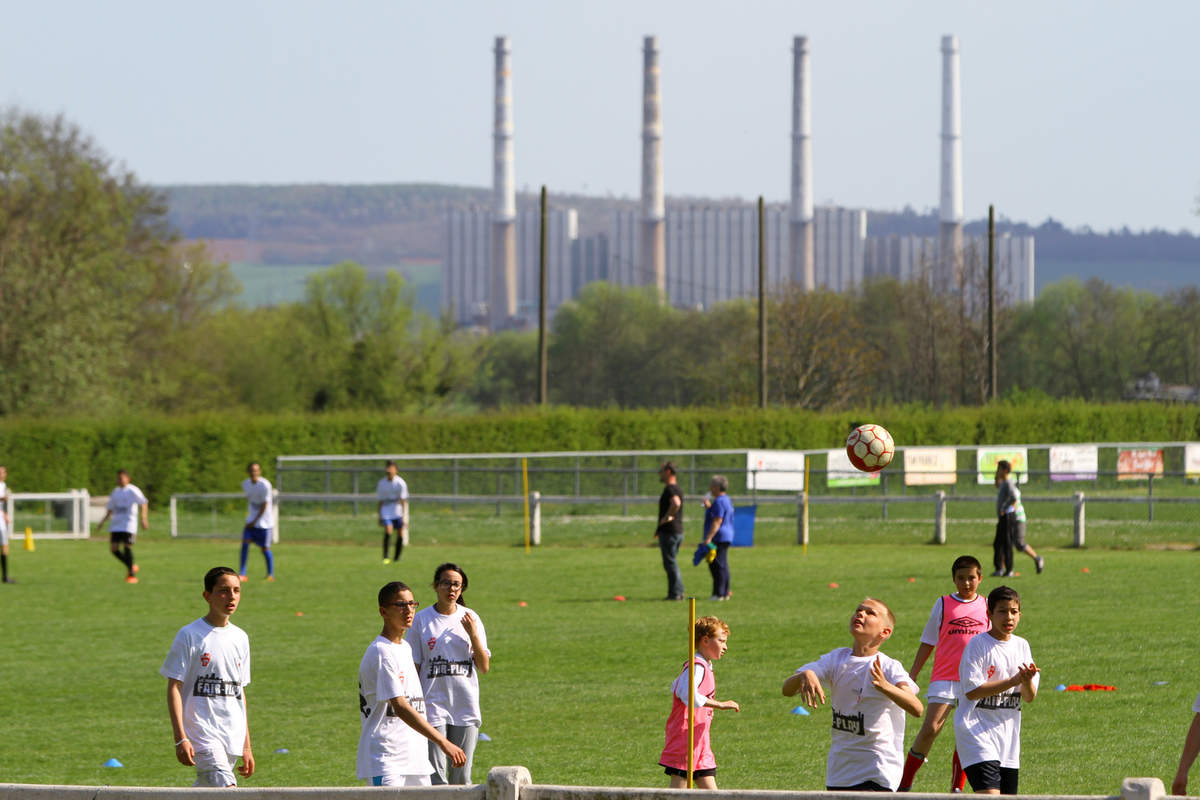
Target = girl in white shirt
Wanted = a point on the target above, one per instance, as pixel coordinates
(449, 648)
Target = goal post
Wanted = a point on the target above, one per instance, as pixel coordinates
(214, 515)
(50, 515)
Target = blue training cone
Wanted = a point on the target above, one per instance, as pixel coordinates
(282, 750)
(112, 762)
(1062, 687)
(483, 737)
(801, 710)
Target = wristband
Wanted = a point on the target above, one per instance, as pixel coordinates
(181, 741)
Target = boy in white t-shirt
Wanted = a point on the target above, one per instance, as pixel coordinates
(870, 694)
(392, 492)
(123, 508)
(391, 746)
(995, 677)
(5, 524)
(1191, 746)
(207, 672)
(260, 519)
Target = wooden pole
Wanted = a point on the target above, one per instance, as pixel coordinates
(993, 389)
(762, 306)
(542, 352)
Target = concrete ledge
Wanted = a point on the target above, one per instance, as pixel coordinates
(1142, 789)
(20, 791)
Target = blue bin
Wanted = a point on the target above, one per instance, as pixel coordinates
(743, 526)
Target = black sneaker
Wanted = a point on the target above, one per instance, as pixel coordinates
(1041, 564)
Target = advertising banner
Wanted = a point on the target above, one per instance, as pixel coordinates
(986, 458)
(1074, 462)
(840, 472)
(1139, 465)
(775, 470)
(930, 466)
(1191, 461)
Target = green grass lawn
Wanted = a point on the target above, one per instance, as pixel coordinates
(578, 690)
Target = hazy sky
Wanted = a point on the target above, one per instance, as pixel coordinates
(1085, 111)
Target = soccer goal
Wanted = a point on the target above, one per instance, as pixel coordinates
(50, 515)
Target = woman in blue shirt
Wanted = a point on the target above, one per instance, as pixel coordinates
(718, 529)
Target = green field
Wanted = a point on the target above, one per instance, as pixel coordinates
(578, 690)
(272, 284)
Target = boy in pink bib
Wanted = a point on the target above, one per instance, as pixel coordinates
(953, 621)
(711, 635)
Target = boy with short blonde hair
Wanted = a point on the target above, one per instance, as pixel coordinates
(871, 692)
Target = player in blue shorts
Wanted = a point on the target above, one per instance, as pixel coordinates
(260, 518)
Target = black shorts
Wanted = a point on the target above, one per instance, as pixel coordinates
(865, 786)
(121, 537)
(682, 773)
(990, 775)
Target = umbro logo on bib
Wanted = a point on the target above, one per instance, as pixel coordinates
(204, 659)
(432, 641)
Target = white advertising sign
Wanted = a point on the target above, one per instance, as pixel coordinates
(775, 470)
(1074, 462)
(930, 466)
(1191, 461)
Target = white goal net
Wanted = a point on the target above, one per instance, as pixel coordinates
(49, 515)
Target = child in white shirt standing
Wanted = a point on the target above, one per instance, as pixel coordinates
(995, 677)
(870, 694)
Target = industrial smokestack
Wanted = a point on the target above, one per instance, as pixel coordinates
(503, 304)
(951, 207)
(652, 246)
(802, 268)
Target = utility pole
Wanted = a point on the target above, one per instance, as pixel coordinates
(993, 389)
(762, 306)
(542, 384)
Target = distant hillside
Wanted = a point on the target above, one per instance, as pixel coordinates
(389, 225)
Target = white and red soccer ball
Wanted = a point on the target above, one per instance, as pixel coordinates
(870, 447)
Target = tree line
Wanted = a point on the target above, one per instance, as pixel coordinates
(104, 310)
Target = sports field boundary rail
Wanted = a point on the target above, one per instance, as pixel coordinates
(503, 783)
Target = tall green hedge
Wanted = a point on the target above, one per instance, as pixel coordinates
(209, 452)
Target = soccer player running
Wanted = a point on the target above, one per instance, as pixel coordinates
(260, 519)
(123, 508)
(392, 492)
(391, 747)
(5, 524)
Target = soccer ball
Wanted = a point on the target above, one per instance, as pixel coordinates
(870, 447)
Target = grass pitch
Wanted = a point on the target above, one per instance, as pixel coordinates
(578, 690)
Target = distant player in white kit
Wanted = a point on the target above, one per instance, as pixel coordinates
(393, 509)
(391, 747)
(207, 672)
(5, 523)
(260, 519)
(124, 505)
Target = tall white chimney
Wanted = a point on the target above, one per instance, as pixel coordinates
(503, 304)
(801, 216)
(652, 246)
(950, 232)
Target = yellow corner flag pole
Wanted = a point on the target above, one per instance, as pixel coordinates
(525, 492)
(691, 705)
(29, 539)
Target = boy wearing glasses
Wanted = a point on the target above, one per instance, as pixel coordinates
(391, 747)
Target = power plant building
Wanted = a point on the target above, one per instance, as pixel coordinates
(911, 258)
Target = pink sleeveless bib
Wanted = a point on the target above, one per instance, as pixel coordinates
(960, 621)
(674, 753)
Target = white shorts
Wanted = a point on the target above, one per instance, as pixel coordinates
(215, 769)
(942, 692)
(3, 534)
(400, 780)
